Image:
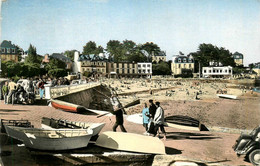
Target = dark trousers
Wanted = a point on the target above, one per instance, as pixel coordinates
(146, 126)
(121, 127)
(161, 128)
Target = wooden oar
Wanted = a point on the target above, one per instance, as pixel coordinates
(133, 103)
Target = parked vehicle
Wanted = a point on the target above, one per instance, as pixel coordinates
(249, 145)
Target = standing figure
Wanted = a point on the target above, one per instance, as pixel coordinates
(152, 109)
(118, 112)
(145, 114)
(12, 87)
(159, 120)
(5, 91)
(41, 88)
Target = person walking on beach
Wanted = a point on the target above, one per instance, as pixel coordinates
(159, 120)
(145, 114)
(5, 91)
(152, 109)
(118, 112)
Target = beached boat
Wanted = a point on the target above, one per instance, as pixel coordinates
(131, 142)
(66, 106)
(18, 123)
(58, 139)
(177, 121)
(50, 123)
(227, 96)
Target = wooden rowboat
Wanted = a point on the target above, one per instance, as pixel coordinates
(42, 139)
(131, 142)
(66, 106)
(50, 123)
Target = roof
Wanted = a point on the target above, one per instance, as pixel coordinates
(7, 44)
(182, 58)
(237, 55)
(60, 57)
(91, 57)
(161, 53)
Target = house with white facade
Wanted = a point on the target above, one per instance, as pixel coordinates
(144, 69)
(217, 72)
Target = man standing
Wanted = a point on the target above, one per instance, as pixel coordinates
(5, 91)
(12, 87)
(159, 120)
(118, 112)
(152, 109)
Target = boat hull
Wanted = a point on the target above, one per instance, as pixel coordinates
(227, 96)
(131, 142)
(31, 138)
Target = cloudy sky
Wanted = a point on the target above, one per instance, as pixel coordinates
(175, 25)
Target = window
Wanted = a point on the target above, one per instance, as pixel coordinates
(117, 70)
(128, 71)
(128, 66)
(226, 71)
(8, 50)
(184, 60)
(220, 71)
(148, 65)
(189, 65)
(179, 65)
(13, 50)
(139, 71)
(209, 71)
(123, 71)
(214, 71)
(184, 65)
(143, 71)
(144, 65)
(148, 71)
(111, 65)
(205, 71)
(133, 70)
(229, 71)
(3, 50)
(117, 65)
(179, 60)
(139, 66)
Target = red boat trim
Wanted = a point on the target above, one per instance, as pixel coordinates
(64, 107)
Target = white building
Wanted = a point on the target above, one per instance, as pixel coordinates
(144, 69)
(217, 72)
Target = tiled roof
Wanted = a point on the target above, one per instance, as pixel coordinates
(91, 57)
(7, 44)
(60, 57)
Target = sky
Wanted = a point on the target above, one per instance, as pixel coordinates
(54, 26)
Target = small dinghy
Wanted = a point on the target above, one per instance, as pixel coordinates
(66, 106)
(131, 142)
(43, 139)
(227, 96)
(50, 123)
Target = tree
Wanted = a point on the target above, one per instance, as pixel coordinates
(56, 68)
(99, 50)
(70, 54)
(161, 68)
(32, 55)
(114, 48)
(89, 48)
(151, 48)
(208, 53)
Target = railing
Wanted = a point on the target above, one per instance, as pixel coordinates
(53, 92)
